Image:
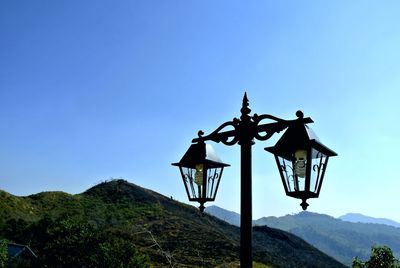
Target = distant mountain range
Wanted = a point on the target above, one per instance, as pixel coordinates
(339, 238)
(230, 217)
(116, 219)
(356, 217)
(234, 218)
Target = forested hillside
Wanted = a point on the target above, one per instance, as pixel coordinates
(119, 223)
(340, 239)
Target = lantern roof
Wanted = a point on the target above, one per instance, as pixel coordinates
(299, 136)
(200, 153)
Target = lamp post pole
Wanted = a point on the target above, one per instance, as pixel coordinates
(246, 209)
(245, 206)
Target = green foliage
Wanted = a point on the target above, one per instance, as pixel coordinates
(74, 243)
(357, 263)
(237, 265)
(118, 224)
(3, 252)
(381, 257)
(118, 252)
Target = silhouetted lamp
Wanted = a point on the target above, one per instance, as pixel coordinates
(302, 160)
(201, 171)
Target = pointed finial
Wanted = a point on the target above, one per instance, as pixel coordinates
(200, 133)
(304, 204)
(202, 207)
(300, 114)
(245, 99)
(245, 108)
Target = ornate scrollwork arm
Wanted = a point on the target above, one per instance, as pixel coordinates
(268, 129)
(258, 118)
(221, 136)
(249, 127)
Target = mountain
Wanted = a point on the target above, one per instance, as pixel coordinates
(340, 239)
(117, 223)
(223, 214)
(356, 217)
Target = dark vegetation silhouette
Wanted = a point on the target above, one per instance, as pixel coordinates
(69, 242)
(3, 252)
(381, 257)
(119, 224)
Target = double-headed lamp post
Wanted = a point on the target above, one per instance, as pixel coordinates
(300, 156)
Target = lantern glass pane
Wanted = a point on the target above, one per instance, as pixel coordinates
(213, 179)
(318, 166)
(189, 176)
(294, 182)
(195, 185)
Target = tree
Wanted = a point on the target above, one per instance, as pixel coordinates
(117, 252)
(381, 257)
(3, 253)
(357, 263)
(71, 242)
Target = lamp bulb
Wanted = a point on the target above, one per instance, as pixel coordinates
(300, 163)
(199, 174)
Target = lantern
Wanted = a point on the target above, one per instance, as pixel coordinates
(302, 160)
(201, 171)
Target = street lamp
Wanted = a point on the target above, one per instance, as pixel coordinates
(302, 161)
(201, 171)
(297, 153)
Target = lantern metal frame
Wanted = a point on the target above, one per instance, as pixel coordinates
(301, 137)
(201, 185)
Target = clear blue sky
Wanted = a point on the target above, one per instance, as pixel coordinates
(93, 90)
